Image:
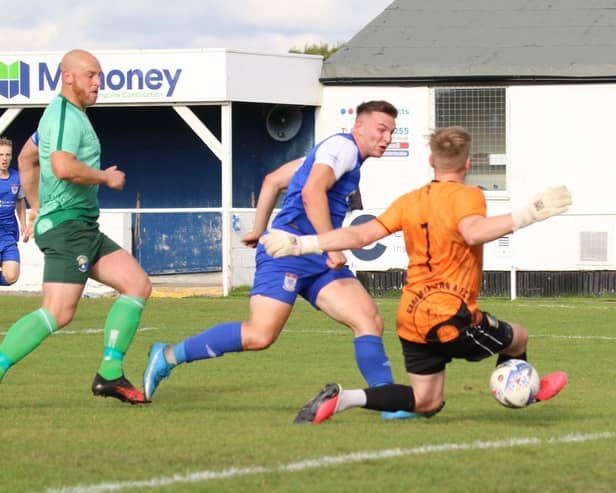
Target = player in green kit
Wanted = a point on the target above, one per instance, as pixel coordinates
(61, 183)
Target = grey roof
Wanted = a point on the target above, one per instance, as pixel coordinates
(431, 40)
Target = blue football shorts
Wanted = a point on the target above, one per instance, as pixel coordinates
(9, 251)
(285, 278)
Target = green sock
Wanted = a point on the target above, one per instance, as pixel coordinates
(120, 328)
(24, 336)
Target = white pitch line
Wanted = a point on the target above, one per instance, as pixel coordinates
(96, 331)
(553, 336)
(340, 331)
(568, 307)
(327, 461)
(89, 331)
(556, 336)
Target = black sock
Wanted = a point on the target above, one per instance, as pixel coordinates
(392, 397)
(504, 357)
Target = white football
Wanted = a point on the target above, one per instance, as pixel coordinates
(514, 383)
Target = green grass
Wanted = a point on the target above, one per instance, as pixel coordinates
(232, 415)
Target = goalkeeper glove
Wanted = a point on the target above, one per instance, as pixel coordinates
(279, 243)
(550, 202)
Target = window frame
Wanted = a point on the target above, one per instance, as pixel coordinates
(501, 194)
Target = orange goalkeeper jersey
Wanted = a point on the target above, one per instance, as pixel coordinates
(444, 273)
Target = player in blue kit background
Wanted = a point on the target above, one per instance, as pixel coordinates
(318, 191)
(12, 202)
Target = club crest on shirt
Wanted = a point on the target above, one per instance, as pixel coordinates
(290, 282)
(14, 188)
(83, 263)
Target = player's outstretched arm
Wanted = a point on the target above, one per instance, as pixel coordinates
(273, 184)
(477, 230)
(551, 202)
(279, 243)
(282, 244)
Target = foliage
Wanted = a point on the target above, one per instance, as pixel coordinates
(322, 49)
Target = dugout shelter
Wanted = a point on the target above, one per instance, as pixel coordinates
(194, 130)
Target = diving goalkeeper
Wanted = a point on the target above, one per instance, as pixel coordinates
(444, 225)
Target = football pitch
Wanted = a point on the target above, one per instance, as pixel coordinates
(226, 424)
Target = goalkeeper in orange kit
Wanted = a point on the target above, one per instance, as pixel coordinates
(444, 225)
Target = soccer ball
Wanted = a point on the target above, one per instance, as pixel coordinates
(514, 383)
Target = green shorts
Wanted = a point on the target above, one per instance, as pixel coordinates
(71, 249)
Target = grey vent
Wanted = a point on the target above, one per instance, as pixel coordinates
(503, 248)
(593, 246)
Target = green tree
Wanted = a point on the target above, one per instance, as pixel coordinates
(322, 49)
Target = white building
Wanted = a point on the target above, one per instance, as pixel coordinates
(535, 83)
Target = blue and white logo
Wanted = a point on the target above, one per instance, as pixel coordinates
(14, 79)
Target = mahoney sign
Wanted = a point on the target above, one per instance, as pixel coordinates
(168, 77)
(21, 79)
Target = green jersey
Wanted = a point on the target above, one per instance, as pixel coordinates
(65, 127)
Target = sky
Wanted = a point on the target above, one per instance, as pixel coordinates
(253, 25)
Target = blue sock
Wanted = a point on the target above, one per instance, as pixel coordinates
(3, 280)
(372, 360)
(179, 352)
(211, 343)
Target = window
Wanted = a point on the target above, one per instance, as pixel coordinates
(482, 112)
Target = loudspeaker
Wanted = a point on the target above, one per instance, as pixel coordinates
(283, 122)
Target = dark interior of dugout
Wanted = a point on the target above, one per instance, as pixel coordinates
(168, 166)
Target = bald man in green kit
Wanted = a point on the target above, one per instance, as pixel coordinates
(62, 189)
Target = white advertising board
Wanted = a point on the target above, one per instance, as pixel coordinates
(159, 76)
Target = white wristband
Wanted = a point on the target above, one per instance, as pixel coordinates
(521, 218)
(309, 244)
